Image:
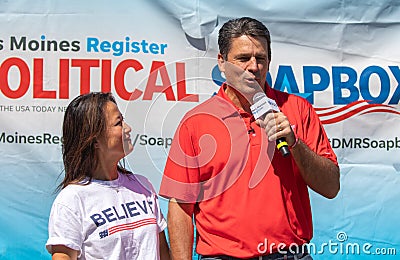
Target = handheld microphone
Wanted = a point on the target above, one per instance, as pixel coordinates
(261, 106)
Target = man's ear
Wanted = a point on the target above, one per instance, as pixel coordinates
(221, 62)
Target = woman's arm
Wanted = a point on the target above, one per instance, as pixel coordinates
(164, 248)
(60, 252)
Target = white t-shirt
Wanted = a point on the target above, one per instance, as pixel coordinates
(119, 219)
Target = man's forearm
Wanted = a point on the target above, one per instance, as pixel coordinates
(319, 173)
(180, 230)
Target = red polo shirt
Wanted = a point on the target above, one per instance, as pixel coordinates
(245, 192)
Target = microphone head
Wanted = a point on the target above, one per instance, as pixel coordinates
(258, 96)
(260, 105)
(266, 101)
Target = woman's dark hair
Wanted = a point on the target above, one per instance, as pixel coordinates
(84, 122)
(241, 26)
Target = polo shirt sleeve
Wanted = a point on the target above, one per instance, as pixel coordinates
(181, 179)
(313, 133)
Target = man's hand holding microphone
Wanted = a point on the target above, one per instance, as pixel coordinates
(275, 123)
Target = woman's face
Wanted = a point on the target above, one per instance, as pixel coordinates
(116, 142)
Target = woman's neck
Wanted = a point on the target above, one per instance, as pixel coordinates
(105, 172)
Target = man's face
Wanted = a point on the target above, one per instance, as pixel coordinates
(246, 65)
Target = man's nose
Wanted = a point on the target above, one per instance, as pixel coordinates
(252, 64)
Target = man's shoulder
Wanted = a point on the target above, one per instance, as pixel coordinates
(284, 97)
(213, 105)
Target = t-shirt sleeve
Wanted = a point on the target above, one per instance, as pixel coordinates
(64, 226)
(161, 222)
(181, 179)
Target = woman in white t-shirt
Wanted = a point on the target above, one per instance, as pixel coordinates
(103, 211)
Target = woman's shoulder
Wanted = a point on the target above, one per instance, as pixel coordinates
(140, 180)
(72, 190)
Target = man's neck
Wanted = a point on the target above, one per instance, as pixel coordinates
(238, 99)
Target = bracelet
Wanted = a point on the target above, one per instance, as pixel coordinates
(295, 143)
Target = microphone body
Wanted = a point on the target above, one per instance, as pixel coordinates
(263, 105)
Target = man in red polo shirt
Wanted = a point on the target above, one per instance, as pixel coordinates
(248, 201)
